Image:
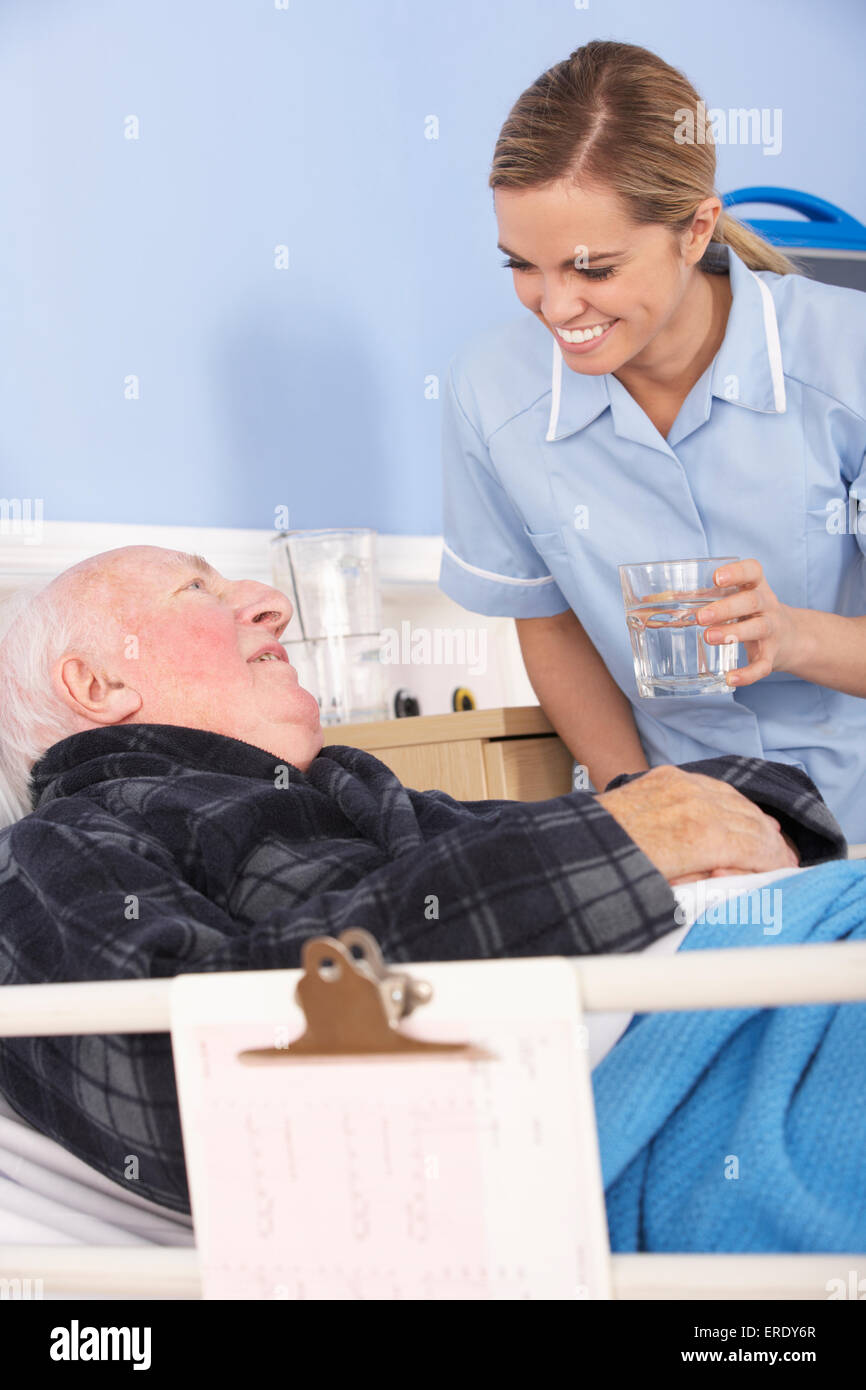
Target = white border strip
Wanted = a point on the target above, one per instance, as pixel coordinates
(774, 346)
(555, 391)
(489, 574)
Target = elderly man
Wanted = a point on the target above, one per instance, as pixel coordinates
(177, 812)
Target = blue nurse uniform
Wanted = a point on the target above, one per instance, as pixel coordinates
(552, 479)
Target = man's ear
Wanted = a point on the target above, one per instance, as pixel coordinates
(92, 694)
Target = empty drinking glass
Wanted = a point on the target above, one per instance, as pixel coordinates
(334, 637)
(670, 655)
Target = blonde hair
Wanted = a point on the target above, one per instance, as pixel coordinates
(606, 115)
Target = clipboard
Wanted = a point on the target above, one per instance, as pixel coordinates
(352, 1005)
(358, 1132)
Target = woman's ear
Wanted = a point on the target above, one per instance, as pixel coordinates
(703, 225)
(92, 694)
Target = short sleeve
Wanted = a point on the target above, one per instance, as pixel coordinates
(489, 565)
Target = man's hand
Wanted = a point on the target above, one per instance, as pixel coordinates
(691, 826)
(733, 869)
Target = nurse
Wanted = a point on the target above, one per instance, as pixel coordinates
(676, 390)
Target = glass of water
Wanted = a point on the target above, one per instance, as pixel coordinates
(670, 655)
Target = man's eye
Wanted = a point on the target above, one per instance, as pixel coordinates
(195, 581)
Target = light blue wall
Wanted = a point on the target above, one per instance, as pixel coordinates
(305, 126)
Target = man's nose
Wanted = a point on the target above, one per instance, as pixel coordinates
(256, 603)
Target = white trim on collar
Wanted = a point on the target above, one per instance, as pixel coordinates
(774, 346)
(555, 392)
(771, 334)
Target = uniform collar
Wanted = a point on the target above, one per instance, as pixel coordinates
(746, 371)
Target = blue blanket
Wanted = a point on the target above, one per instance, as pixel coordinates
(744, 1129)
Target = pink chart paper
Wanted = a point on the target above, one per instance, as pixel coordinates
(409, 1178)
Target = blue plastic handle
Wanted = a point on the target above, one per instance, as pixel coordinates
(828, 225)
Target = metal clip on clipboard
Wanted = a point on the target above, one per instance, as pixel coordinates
(353, 1005)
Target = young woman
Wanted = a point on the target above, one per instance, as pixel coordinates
(704, 399)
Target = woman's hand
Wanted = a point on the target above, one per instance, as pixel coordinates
(753, 616)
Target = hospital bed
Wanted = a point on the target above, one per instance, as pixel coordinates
(69, 1232)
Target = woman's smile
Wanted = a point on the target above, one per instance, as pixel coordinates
(584, 339)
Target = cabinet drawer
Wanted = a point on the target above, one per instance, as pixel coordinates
(456, 768)
(527, 769)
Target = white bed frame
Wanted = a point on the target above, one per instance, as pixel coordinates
(709, 979)
(736, 978)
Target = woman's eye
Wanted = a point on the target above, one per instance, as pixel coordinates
(602, 274)
(195, 581)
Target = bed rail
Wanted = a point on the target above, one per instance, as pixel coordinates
(762, 977)
(112, 1271)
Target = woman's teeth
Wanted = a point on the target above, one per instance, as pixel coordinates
(583, 335)
(267, 656)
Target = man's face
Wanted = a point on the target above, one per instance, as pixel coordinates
(200, 650)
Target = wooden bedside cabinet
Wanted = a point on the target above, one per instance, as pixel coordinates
(475, 755)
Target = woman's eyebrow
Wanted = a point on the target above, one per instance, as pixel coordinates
(565, 265)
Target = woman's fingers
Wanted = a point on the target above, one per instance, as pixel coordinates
(747, 675)
(756, 629)
(723, 610)
(739, 572)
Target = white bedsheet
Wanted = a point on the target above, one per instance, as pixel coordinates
(49, 1197)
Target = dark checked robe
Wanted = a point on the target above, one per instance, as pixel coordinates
(155, 850)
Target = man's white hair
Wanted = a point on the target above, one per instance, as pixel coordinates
(38, 625)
